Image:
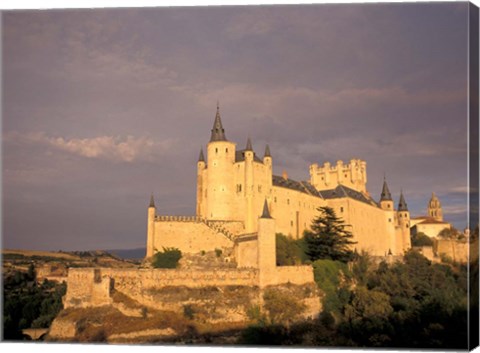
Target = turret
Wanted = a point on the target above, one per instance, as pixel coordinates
(219, 172)
(200, 187)
(386, 201)
(404, 223)
(150, 227)
(435, 208)
(249, 156)
(266, 246)
(267, 161)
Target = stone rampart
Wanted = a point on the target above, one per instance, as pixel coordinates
(455, 250)
(190, 236)
(92, 287)
(293, 274)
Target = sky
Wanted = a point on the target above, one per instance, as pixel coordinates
(102, 107)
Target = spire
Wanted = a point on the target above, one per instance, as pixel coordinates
(218, 133)
(385, 196)
(266, 212)
(402, 205)
(201, 158)
(152, 202)
(249, 145)
(267, 151)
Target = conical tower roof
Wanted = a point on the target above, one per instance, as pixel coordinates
(218, 133)
(266, 212)
(402, 205)
(267, 151)
(152, 202)
(386, 195)
(201, 158)
(249, 145)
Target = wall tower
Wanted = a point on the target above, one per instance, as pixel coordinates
(404, 224)
(150, 226)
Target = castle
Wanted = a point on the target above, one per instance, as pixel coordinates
(233, 185)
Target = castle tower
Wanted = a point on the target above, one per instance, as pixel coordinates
(150, 227)
(435, 208)
(266, 246)
(386, 201)
(404, 223)
(249, 155)
(267, 161)
(201, 166)
(220, 160)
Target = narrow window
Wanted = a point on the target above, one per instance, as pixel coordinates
(341, 209)
(390, 220)
(291, 223)
(288, 201)
(216, 150)
(275, 199)
(226, 150)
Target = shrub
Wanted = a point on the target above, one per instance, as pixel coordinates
(328, 275)
(421, 239)
(188, 311)
(282, 308)
(289, 251)
(218, 252)
(168, 258)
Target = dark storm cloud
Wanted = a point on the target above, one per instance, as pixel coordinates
(101, 107)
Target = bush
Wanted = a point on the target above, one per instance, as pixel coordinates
(218, 252)
(328, 275)
(282, 308)
(421, 239)
(289, 251)
(168, 258)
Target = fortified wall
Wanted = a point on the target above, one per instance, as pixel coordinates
(230, 291)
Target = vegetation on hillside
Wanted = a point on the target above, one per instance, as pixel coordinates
(168, 258)
(28, 304)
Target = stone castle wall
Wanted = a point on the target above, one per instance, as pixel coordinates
(92, 287)
(190, 235)
(455, 250)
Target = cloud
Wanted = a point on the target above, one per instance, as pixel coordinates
(113, 148)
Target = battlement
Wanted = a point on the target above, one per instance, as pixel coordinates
(328, 176)
(166, 218)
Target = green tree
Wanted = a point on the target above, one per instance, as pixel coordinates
(289, 251)
(168, 258)
(329, 238)
(421, 239)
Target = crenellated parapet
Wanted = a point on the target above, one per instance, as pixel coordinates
(328, 176)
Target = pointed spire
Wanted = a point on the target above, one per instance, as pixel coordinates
(267, 151)
(218, 133)
(152, 202)
(385, 196)
(402, 205)
(249, 145)
(266, 212)
(201, 158)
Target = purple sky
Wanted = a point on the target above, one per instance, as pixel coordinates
(101, 107)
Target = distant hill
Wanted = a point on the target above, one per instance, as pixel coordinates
(130, 254)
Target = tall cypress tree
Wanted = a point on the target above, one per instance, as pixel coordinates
(329, 238)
